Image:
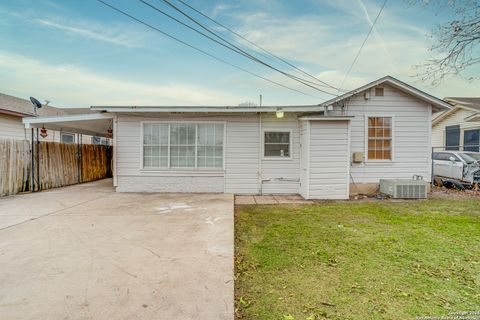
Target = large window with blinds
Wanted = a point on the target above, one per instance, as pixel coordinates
(379, 138)
(183, 145)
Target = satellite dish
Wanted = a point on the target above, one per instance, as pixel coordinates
(36, 103)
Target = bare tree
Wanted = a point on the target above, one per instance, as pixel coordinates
(456, 45)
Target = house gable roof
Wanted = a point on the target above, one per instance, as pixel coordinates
(437, 104)
(467, 103)
(23, 108)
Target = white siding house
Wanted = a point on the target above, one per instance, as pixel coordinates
(462, 123)
(326, 151)
(14, 109)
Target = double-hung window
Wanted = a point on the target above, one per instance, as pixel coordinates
(379, 138)
(155, 145)
(183, 145)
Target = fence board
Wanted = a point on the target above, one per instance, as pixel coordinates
(14, 166)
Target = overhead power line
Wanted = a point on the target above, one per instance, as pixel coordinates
(363, 44)
(201, 50)
(257, 46)
(227, 44)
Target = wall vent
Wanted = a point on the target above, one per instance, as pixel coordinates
(404, 188)
(379, 92)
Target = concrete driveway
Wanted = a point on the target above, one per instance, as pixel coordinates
(86, 252)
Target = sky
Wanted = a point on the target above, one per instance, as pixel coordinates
(82, 53)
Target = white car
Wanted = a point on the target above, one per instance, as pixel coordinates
(456, 165)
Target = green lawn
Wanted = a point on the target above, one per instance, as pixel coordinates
(357, 260)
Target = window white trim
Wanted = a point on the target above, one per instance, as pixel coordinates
(290, 146)
(385, 115)
(182, 169)
(67, 134)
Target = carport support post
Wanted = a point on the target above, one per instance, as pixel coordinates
(79, 157)
(38, 163)
(32, 164)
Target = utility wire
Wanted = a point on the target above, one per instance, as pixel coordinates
(363, 44)
(202, 51)
(217, 35)
(227, 44)
(257, 46)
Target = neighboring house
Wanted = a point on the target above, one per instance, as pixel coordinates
(327, 151)
(459, 127)
(13, 110)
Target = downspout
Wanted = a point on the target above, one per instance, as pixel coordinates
(260, 135)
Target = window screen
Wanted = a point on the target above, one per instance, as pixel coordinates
(67, 138)
(471, 140)
(183, 145)
(210, 145)
(155, 145)
(277, 144)
(379, 138)
(452, 138)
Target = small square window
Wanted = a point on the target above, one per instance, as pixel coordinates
(379, 92)
(67, 138)
(276, 144)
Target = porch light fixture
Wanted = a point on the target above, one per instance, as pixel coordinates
(279, 114)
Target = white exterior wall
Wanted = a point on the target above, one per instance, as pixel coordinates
(282, 176)
(304, 160)
(329, 160)
(411, 136)
(11, 127)
(241, 158)
(328, 146)
(455, 118)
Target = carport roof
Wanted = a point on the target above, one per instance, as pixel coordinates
(95, 124)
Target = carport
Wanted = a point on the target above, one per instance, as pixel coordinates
(92, 124)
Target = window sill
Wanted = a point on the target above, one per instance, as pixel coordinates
(277, 158)
(379, 162)
(183, 172)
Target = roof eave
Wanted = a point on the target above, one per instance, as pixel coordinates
(14, 113)
(158, 109)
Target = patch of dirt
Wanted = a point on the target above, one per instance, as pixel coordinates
(445, 193)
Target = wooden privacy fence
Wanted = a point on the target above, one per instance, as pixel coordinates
(15, 165)
(54, 165)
